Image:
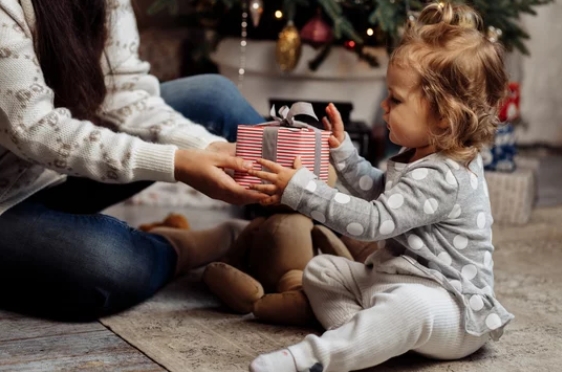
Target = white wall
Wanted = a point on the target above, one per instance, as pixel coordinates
(541, 90)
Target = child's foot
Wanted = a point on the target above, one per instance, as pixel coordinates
(278, 361)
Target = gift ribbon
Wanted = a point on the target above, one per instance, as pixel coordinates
(286, 119)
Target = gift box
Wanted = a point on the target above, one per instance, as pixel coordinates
(282, 140)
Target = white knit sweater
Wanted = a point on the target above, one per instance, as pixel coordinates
(40, 145)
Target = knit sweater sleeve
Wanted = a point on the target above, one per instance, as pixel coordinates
(33, 129)
(134, 104)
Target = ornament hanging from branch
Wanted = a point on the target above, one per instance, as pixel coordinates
(316, 32)
(256, 10)
(288, 48)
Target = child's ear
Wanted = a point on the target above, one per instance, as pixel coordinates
(442, 123)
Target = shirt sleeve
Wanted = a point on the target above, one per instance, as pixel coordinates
(133, 103)
(33, 129)
(426, 194)
(355, 173)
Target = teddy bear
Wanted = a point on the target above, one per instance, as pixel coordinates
(262, 272)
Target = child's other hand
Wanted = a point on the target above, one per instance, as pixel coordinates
(279, 178)
(334, 123)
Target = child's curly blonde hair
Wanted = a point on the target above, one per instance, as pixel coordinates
(462, 76)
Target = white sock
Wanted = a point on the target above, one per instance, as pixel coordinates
(278, 361)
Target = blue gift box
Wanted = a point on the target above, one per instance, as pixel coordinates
(501, 156)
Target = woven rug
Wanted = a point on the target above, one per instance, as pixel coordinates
(185, 329)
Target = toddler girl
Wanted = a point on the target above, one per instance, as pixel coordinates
(429, 286)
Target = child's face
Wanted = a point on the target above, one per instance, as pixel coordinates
(406, 111)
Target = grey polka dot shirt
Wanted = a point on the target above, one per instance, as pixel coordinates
(432, 217)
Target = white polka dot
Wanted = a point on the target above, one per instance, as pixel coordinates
(479, 161)
(488, 290)
(318, 216)
(469, 271)
(419, 174)
(453, 164)
(460, 242)
(342, 198)
(456, 212)
(476, 303)
(473, 181)
(341, 165)
(395, 201)
(487, 259)
(493, 321)
(481, 220)
(456, 284)
(399, 166)
(451, 180)
(387, 227)
(366, 183)
(355, 229)
(445, 258)
(430, 206)
(311, 186)
(381, 244)
(388, 185)
(415, 242)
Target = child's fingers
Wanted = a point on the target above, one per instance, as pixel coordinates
(266, 189)
(333, 142)
(268, 176)
(275, 199)
(297, 164)
(270, 165)
(335, 117)
(326, 122)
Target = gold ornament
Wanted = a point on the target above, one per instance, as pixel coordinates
(289, 47)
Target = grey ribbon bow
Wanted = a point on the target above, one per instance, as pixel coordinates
(286, 118)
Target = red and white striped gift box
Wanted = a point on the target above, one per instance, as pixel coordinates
(291, 142)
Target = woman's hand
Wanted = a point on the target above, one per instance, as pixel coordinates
(335, 124)
(228, 148)
(204, 170)
(279, 178)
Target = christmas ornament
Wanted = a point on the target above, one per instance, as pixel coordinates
(510, 108)
(316, 32)
(256, 10)
(289, 47)
(494, 34)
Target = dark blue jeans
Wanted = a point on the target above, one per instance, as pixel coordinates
(61, 259)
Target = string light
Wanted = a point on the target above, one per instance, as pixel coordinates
(243, 43)
(370, 32)
(278, 14)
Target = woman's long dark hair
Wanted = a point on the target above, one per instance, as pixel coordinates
(70, 40)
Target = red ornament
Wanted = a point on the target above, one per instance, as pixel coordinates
(509, 110)
(350, 44)
(316, 32)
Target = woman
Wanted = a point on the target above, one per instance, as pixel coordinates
(83, 127)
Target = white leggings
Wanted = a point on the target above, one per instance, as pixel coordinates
(372, 317)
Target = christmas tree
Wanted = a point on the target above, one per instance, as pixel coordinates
(352, 23)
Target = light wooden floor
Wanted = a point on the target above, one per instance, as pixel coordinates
(35, 345)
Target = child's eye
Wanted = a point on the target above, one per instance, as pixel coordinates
(394, 100)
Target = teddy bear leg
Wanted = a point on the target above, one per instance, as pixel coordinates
(329, 243)
(360, 250)
(287, 308)
(172, 220)
(238, 290)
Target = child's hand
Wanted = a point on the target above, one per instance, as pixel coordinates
(335, 124)
(279, 178)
